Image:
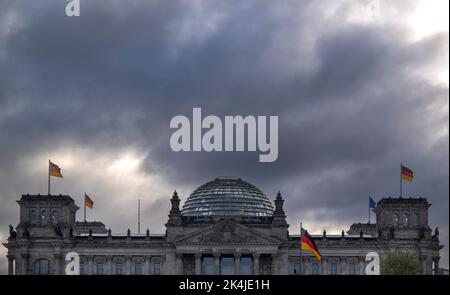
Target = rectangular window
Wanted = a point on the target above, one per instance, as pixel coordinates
(227, 265)
(138, 268)
(315, 268)
(99, 269)
(351, 269)
(246, 266)
(119, 268)
(82, 269)
(296, 268)
(333, 268)
(156, 268)
(208, 267)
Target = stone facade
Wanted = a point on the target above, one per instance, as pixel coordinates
(215, 245)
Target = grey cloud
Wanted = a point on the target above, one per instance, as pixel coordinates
(118, 74)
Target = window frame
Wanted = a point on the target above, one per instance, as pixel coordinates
(159, 267)
(99, 266)
(33, 215)
(116, 268)
(349, 268)
(38, 263)
(315, 268)
(135, 264)
(44, 216)
(333, 268)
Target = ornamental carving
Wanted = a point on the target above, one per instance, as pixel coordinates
(228, 233)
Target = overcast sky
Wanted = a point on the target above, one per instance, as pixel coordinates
(358, 88)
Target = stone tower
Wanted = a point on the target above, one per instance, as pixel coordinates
(46, 216)
(403, 218)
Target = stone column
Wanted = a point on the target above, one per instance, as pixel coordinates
(237, 263)
(274, 268)
(179, 263)
(128, 265)
(198, 263)
(90, 264)
(344, 267)
(25, 264)
(338, 265)
(146, 266)
(436, 265)
(170, 263)
(321, 267)
(163, 265)
(256, 263)
(423, 261)
(217, 263)
(58, 270)
(18, 270)
(109, 265)
(324, 266)
(429, 265)
(362, 266)
(305, 265)
(10, 264)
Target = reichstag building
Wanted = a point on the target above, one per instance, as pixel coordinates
(226, 226)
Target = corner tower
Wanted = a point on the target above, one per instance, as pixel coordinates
(403, 218)
(46, 216)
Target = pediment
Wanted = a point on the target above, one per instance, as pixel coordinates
(227, 232)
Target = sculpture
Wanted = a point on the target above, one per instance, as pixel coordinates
(12, 232)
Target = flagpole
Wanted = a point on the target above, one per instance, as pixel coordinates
(49, 177)
(139, 216)
(301, 252)
(401, 181)
(84, 207)
(369, 209)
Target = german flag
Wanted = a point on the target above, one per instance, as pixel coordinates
(54, 170)
(307, 243)
(88, 201)
(406, 173)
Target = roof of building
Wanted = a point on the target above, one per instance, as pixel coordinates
(40, 197)
(390, 200)
(227, 196)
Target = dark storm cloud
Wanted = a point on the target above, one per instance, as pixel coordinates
(350, 110)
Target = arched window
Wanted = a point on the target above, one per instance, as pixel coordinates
(405, 219)
(157, 268)
(55, 216)
(119, 268)
(352, 268)
(333, 268)
(82, 268)
(44, 215)
(99, 268)
(42, 267)
(33, 215)
(137, 268)
(395, 218)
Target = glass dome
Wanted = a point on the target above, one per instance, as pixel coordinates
(227, 196)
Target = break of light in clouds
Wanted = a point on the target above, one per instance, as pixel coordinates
(430, 17)
(113, 179)
(356, 91)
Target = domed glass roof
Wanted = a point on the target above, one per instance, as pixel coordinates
(227, 196)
